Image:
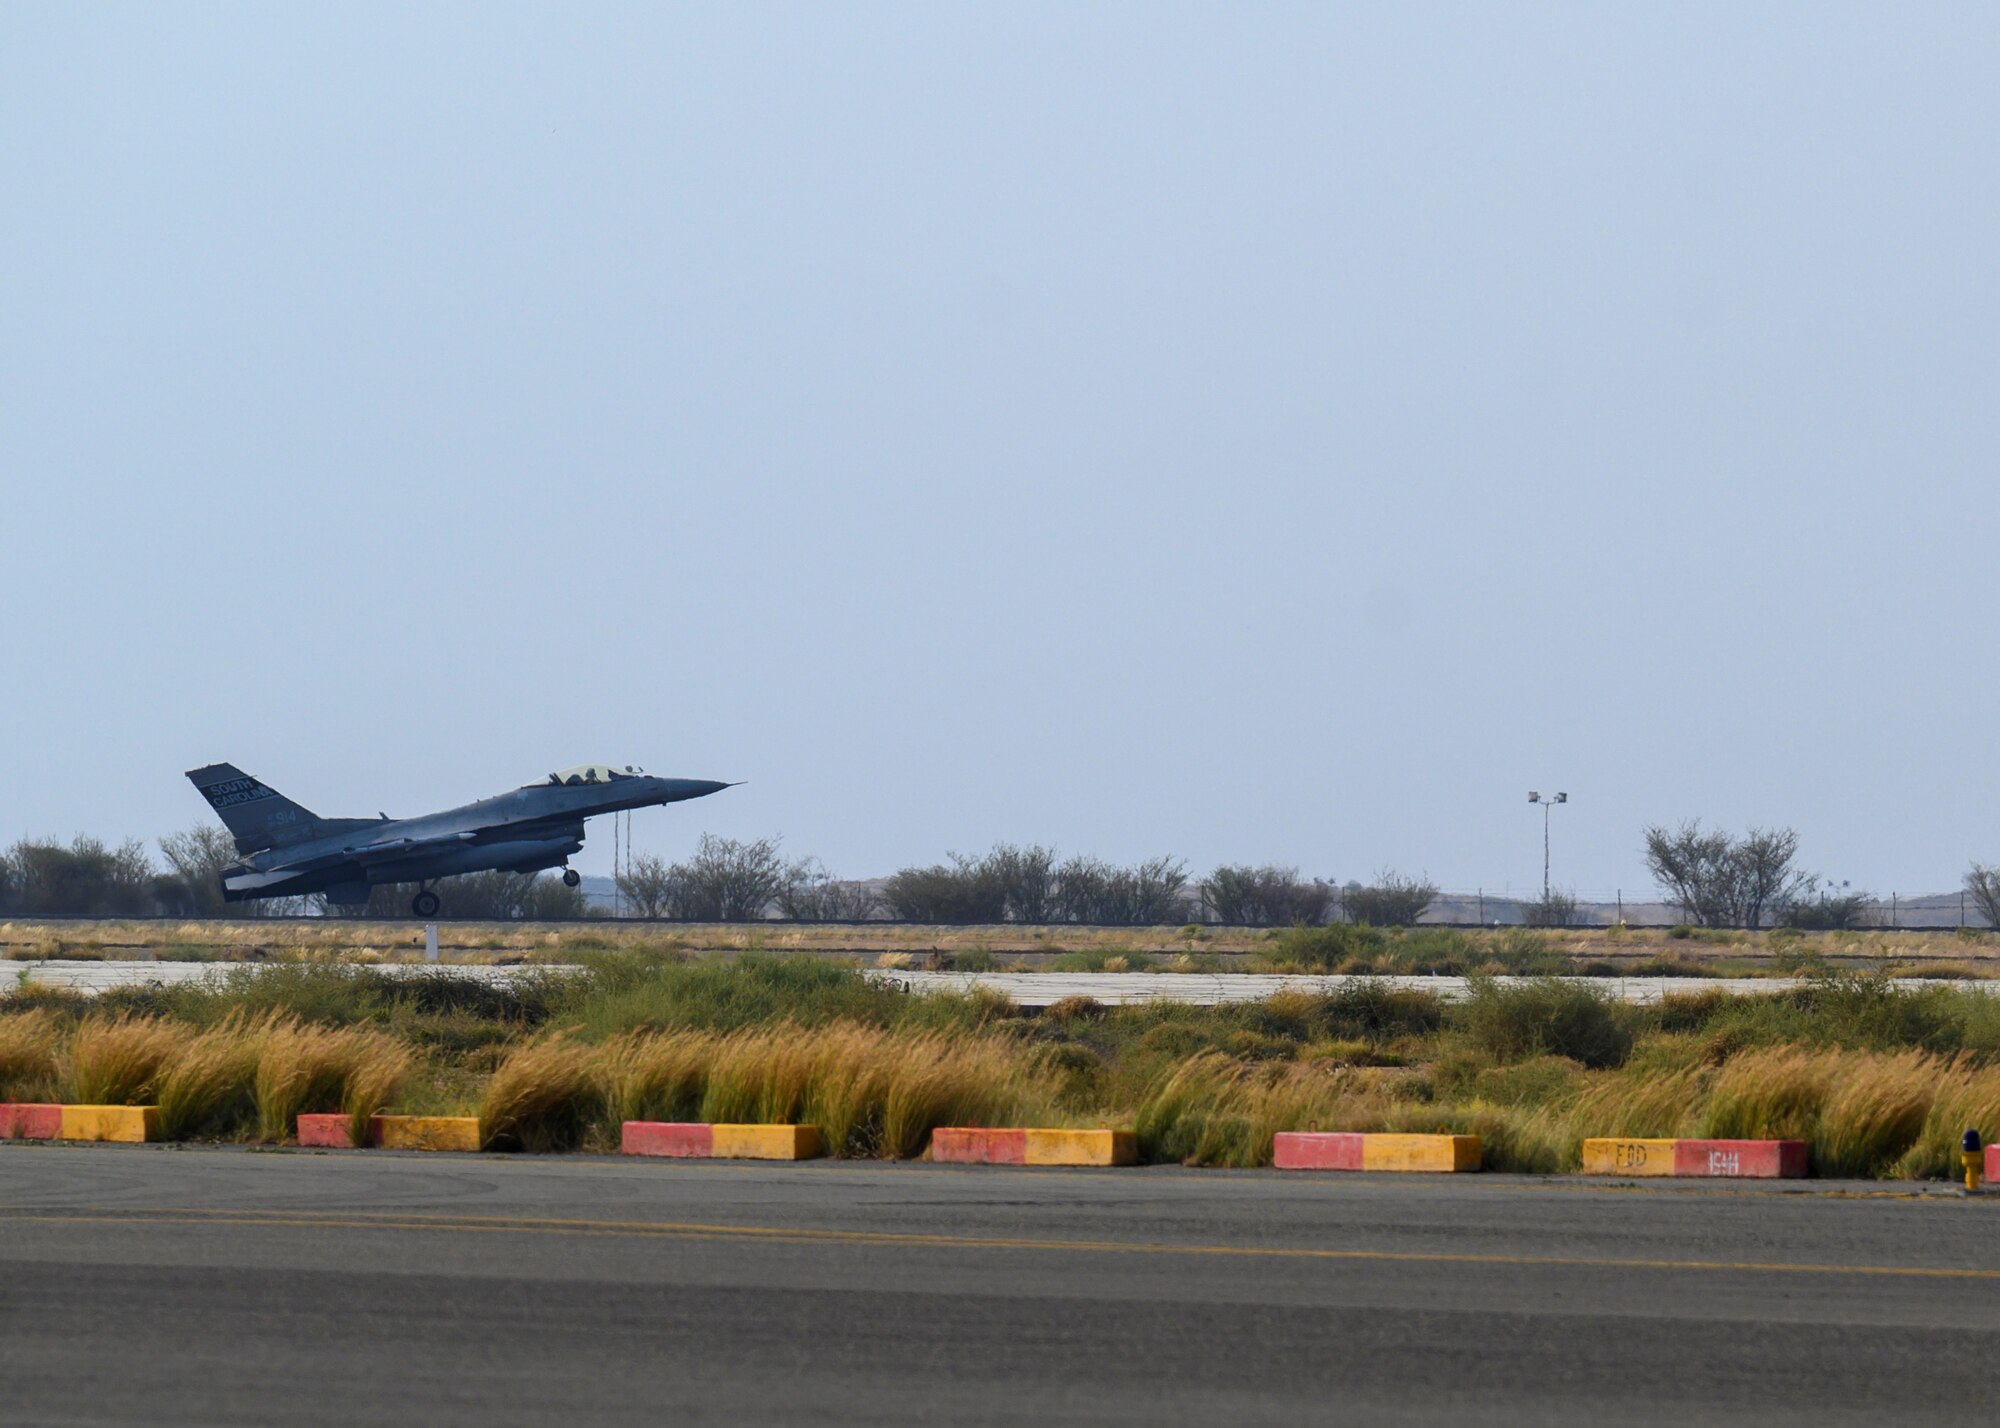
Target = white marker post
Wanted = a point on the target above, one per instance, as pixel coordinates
(430, 942)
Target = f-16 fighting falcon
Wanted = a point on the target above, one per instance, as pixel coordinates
(288, 851)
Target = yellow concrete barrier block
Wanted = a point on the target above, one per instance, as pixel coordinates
(425, 1132)
(765, 1143)
(123, 1123)
(1619, 1155)
(1081, 1147)
(1420, 1152)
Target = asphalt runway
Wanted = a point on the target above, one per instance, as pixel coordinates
(194, 1286)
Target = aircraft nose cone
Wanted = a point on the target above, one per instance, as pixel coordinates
(679, 788)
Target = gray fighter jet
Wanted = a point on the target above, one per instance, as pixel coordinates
(287, 851)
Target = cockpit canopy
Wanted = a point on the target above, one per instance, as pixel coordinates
(590, 774)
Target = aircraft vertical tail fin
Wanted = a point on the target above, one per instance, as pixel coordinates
(257, 815)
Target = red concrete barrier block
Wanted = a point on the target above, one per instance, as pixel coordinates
(27, 1120)
(1993, 1162)
(329, 1131)
(973, 1145)
(678, 1138)
(1750, 1159)
(1317, 1150)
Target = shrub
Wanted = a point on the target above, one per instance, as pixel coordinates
(639, 992)
(1545, 1016)
(1071, 1009)
(1428, 950)
(1377, 1011)
(812, 894)
(1392, 901)
(1242, 896)
(1818, 908)
(1325, 948)
(1144, 895)
(86, 878)
(964, 891)
(1553, 909)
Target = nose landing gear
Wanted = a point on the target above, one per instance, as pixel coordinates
(571, 877)
(425, 904)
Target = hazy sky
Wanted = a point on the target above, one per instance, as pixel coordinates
(1247, 432)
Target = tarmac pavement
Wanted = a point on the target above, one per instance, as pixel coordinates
(163, 1284)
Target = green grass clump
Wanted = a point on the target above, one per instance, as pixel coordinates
(1329, 948)
(1545, 1017)
(629, 992)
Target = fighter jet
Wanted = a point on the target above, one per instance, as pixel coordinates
(287, 850)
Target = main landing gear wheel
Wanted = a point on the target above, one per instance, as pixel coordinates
(571, 877)
(425, 904)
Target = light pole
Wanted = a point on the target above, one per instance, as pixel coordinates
(1547, 804)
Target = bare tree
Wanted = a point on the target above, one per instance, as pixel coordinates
(1824, 907)
(648, 885)
(1719, 881)
(1026, 878)
(197, 858)
(1242, 896)
(728, 880)
(1146, 894)
(489, 896)
(1695, 869)
(1764, 877)
(1392, 901)
(812, 894)
(964, 891)
(1983, 884)
(86, 876)
(1083, 889)
(1555, 909)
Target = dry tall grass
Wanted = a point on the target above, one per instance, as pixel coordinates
(1967, 1097)
(323, 1069)
(118, 1061)
(1213, 1110)
(658, 1078)
(28, 1047)
(869, 1091)
(208, 1086)
(551, 1094)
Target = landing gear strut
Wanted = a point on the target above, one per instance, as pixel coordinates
(571, 877)
(425, 904)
